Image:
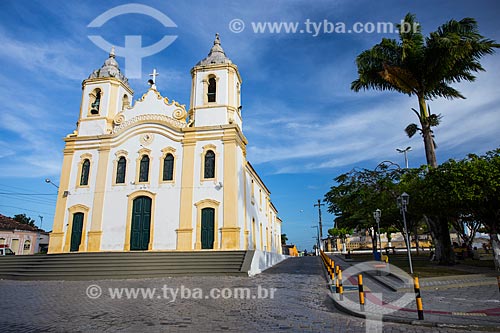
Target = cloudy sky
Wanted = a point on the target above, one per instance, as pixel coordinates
(304, 124)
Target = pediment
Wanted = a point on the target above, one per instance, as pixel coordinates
(152, 107)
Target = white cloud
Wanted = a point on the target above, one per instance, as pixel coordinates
(306, 139)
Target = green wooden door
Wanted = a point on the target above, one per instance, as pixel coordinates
(76, 232)
(207, 228)
(141, 224)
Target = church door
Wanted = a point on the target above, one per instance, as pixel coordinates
(207, 228)
(76, 232)
(141, 223)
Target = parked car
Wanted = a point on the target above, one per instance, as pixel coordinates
(5, 250)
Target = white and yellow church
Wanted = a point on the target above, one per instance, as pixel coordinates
(150, 175)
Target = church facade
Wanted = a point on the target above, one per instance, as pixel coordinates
(151, 175)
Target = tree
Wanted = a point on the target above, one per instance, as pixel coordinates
(359, 193)
(22, 218)
(340, 233)
(284, 239)
(477, 188)
(424, 68)
(429, 198)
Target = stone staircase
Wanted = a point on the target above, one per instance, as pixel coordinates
(123, 265)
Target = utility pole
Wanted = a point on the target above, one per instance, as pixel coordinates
(319, 204)
(41, 221)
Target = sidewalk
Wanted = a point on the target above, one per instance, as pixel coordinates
(463, 301)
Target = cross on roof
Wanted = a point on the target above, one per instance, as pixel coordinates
(154, 75)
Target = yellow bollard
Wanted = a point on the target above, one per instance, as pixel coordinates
(341, 288)
(420, 308)
(361, 293)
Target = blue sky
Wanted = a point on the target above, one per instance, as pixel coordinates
(303, 123)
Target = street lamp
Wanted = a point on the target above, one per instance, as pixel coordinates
(48, 181)
(404, 151)
(403, 201)
(376, 214)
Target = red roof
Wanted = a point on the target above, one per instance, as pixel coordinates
(6, 223)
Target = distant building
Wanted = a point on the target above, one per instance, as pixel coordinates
(290, 250)
(361, 240)
(22, 238)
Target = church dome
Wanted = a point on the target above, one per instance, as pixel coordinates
(216, 55)
(110, 68)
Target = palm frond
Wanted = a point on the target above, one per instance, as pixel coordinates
(434, 119)
(412, 129)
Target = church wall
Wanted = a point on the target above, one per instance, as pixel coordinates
(242, 197)
(80, 195)
(208, 189)
(211, 116)
(167, 194)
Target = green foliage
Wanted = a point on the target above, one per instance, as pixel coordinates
(340, 233)
(424, 67)
(22, 218)
(456, 192)
(284, 239)
(359, 193)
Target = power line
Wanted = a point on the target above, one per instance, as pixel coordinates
(28, 193)
(32, 200)
(28, 210)
(17, 187)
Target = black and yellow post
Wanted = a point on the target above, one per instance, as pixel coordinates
(361, 293)
(341, 288)
(420, 308)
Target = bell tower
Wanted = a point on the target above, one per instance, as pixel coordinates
(105, 94)
(215, 91)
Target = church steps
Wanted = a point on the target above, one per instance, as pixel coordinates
(109, 265)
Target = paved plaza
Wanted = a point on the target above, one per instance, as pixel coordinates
(301, 302)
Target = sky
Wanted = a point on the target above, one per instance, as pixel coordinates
(303, 123)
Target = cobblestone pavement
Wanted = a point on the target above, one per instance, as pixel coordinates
(301, 303)
(472, 300)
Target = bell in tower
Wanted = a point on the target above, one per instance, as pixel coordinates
(105, 94)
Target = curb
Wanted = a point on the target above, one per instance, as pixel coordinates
(407, 321)
(401, 320)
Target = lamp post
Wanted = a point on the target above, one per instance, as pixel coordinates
(403, 201)
(376, 214)
(405, 152)
(48, 181)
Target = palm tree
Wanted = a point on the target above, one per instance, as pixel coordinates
(424, 67)
(284, 239)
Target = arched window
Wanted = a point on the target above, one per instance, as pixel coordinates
(27, 245)
(209, 164)
(168, 167)
(120, 170)
(125, 102)
(212, 89)
(94, 107)
(144, 169)
(84, 178)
